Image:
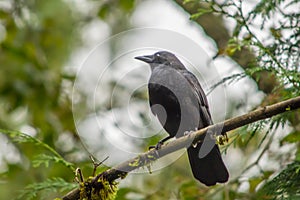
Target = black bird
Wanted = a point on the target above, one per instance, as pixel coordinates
(179, 103)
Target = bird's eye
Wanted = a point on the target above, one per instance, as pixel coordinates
(157, 55)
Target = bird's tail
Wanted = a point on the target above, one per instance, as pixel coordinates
(209, 169)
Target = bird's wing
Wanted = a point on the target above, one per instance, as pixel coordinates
(203, 103)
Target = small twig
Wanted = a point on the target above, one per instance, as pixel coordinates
(79, 173)
(97, 164)
(260, 155)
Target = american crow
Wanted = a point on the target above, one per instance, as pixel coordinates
(179, 103)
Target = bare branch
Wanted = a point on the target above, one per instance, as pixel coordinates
(121, 170)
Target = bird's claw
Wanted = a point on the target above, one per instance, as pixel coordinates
(222, 139)
(188, 132)
(157, 146)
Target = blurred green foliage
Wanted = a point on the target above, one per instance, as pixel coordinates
(285, 185)
(38, 39)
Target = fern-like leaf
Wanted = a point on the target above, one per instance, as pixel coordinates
(46, 159)
(50, 185)
(19, 137)
(285, 185)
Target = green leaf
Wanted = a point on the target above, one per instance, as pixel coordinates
(51, 185)
(298, 154)
(291, 138)
(254, 182)
(123, 192)
(127, 5)
(104, 11)
(46, 159)
(285, 185)
(19, 137)
(188, 1)
(190, 191)
(200, 12)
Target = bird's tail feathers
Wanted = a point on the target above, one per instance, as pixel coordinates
(209, 169)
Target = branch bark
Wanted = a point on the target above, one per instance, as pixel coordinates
(146, 158)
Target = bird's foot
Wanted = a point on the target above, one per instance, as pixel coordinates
(188, 132)
(157, 146)
(222, 139)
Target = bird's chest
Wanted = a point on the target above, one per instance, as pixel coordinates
(169, 88)
(164, 88)
(173, 101)
(161, 95)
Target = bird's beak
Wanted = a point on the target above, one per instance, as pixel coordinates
(147, 59)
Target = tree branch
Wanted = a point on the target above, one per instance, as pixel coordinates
(121, 170)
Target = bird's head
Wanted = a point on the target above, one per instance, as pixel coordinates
(162, 58)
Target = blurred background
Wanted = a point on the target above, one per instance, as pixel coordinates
(68, 78)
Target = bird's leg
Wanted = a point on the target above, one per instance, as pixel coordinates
(189, 132)
(160, 143)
